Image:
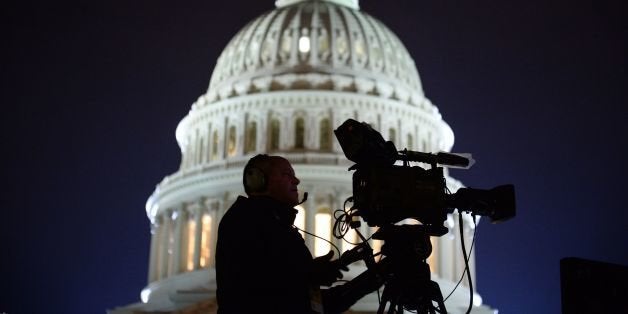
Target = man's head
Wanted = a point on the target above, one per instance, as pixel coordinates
(271, 176)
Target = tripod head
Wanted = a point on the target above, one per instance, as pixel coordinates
(408, 283)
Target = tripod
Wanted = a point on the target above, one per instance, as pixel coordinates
(408, 284)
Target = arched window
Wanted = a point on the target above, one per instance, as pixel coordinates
(410, 141)
(322, 226)
(325, 135)
(231, 145)
(251, 137)
(274, 134)
(299, 134)
(215, 142)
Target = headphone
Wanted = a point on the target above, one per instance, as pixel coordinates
(254, 179)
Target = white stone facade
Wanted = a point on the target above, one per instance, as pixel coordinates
(281, 86)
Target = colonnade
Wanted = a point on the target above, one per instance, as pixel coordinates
(184, 236)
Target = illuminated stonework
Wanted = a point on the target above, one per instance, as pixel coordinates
(280, 87)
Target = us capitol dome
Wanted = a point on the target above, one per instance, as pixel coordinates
(281, 86)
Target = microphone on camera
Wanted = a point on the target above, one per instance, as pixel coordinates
(304, 198)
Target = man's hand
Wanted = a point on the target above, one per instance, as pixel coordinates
(325, 271)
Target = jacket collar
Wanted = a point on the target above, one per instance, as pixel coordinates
(282, 212)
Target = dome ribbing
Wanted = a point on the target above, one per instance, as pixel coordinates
(316, 45)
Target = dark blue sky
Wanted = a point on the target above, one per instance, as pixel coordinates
(92, 93)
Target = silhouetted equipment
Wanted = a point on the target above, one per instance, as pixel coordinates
(593, 287)
(385, 194)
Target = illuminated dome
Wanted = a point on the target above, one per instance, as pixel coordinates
(280, 87)
(317, 45)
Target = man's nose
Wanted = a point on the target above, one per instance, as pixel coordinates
(296, 181)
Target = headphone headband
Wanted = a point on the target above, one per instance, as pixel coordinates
(255, 179)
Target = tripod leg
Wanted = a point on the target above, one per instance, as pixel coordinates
(437, 297)
(383, 302)
(388, 298)
(391, 309)
(382, 307)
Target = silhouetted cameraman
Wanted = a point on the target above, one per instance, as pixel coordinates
(262, 263)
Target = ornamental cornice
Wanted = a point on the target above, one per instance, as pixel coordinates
(375, 86)
(305, 99)
(340, 104)
(225, 175)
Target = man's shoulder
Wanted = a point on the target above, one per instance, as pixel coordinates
(244, 209)
(238, 208)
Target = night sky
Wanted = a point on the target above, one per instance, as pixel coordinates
(92, 93)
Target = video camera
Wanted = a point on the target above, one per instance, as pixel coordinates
(384, 193)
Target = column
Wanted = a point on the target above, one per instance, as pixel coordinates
(458, 268)
(434, 258)
(198, 221)
(222, 150)
(182, 256)
(310, 218)
(468, 232)
(215, 213)
(154, 251)
(176, 242)
(197, 147)
(208, 143)
(335, 203)
(446, 254)
(165, 244)
(240, 136)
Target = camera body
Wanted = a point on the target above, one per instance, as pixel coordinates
(388, 194)
(385, 193)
